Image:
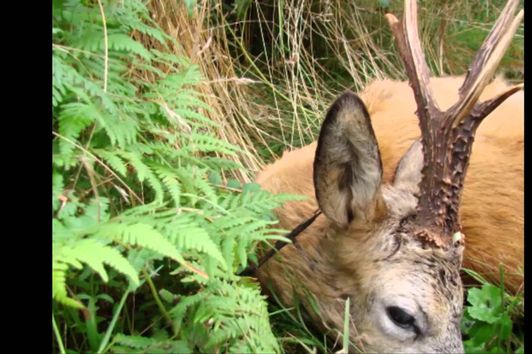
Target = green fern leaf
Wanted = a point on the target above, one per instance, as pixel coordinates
(201, 184)
(205, 143)
(134, 341)
(171, 183)
(190, 236)
(112, 158)
(73, 119)
(57, 189)
(66, 78)
(171, 58)
(135, 24)
(94, 42)
(122, 42)
(216, 163)
(194, 184)
(145, 173)
(180, 310)
(228, 246)
(59, 291)
(142, 235)
(95, 254)
(194, 118)
(60, 71)
(138, 121)
(138, 258)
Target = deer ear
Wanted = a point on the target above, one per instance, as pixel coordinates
(347, 167)
(408, 171)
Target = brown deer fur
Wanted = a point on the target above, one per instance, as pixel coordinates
(491, 210)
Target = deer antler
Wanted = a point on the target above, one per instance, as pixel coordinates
(447, 136)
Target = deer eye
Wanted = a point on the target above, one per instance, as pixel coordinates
(401, 318)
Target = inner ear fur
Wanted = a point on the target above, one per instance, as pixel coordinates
(347, 166)
(408, 171)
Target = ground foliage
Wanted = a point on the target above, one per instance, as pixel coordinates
(138, 190)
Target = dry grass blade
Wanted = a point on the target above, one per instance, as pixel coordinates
(486, 61)
(223, 90)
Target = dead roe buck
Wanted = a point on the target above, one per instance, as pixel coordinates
(391, 237)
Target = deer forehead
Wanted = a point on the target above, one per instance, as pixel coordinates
(384, 257)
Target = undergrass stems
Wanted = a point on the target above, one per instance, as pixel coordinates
(110, 328)
(156, 297)
(58, 336)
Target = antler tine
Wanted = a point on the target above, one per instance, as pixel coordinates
(486, 62)
(409, 45)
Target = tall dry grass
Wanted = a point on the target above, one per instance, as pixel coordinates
(272, 70)
(224, 91)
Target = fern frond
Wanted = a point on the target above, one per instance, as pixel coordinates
(114, 161)
(121, 42)
(207, 143)
(96, 254)
(134, 23)
(193, 181)
(146, 345)
(189, 99)
(73, 118)
(171, 183)
(144, 172)
(141, 235)
(192, 237)
(217, 163)
(258, 201)
(57, 189)
(139, 258)
(66, 78)
(134, 341)
(171, 58)
(151, 119)
(179, 311)
(202, 185)
(228, 249)
(60, 72)
(59, 291)
(245, 330)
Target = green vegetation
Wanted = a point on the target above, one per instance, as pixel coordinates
(162, 114)
(493, 319)
(138, 195)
